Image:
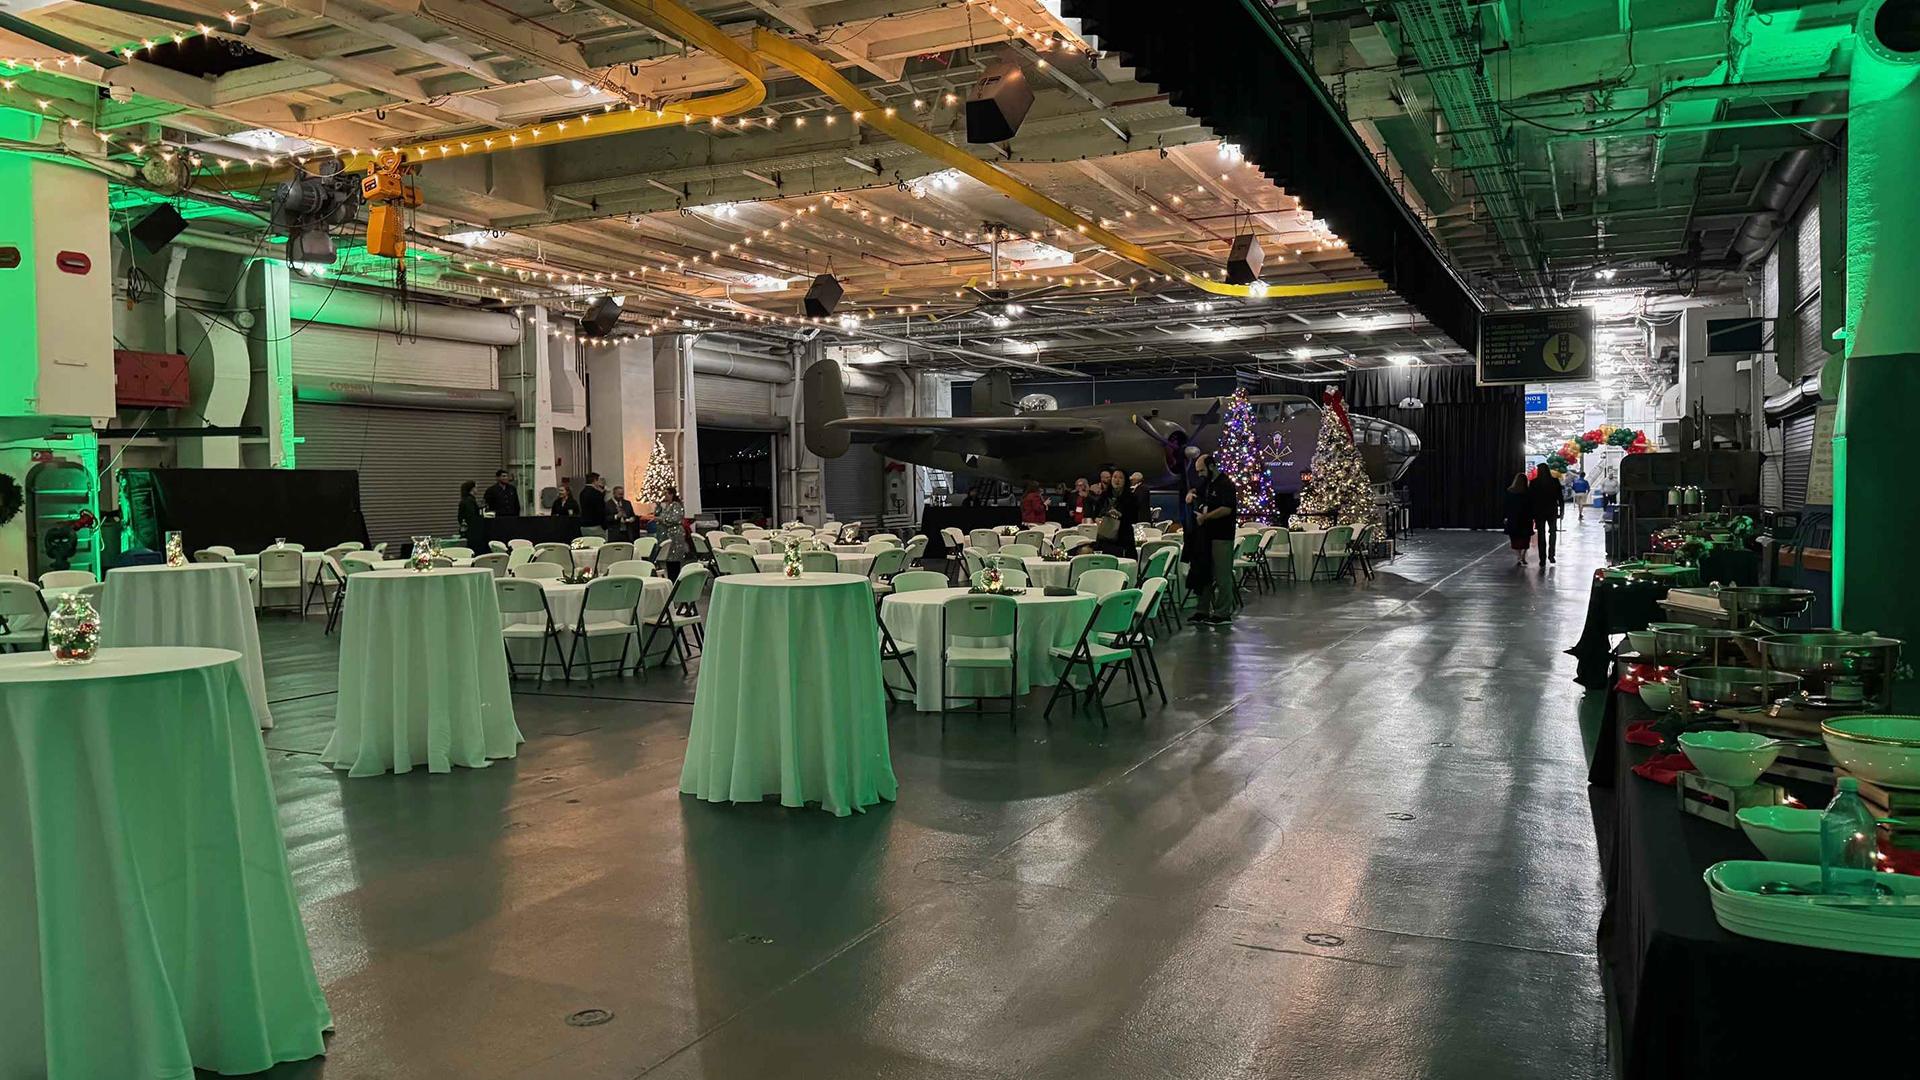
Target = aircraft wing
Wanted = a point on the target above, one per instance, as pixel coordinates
(994, 436)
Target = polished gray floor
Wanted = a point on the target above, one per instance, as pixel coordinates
(1356, 844)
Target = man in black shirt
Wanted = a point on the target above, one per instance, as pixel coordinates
(502, 499)
(1545, 500)
(593, 507)
(1215, 506)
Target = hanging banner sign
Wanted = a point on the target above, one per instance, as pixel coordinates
(1544, 346)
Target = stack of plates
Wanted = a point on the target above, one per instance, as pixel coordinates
(1803, 920)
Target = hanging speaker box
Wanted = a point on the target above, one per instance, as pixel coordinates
(822, 297)
(602, 316)
(1243, 262)
(998, 103)
(158, 228)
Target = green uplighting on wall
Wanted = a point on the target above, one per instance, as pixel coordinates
(18, 125)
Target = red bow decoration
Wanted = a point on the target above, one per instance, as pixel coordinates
(1330, 399)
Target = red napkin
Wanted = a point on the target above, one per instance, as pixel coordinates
(1662, 768)
(1899, 860)
(1641, 733)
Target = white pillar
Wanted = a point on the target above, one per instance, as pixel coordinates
(621, 412)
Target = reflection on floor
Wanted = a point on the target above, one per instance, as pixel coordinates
(1356, 844)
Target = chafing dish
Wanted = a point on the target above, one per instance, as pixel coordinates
(1735, 685)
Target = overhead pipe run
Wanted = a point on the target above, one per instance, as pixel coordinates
(308, 303)
(1784, 180)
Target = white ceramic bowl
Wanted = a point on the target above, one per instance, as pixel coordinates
(1883, 749)
(1783, 833)
(1734, 758)
(1657, 695)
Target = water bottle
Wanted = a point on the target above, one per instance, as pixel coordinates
(1848, 844)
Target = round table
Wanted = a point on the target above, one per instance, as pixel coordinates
(847, 549)
(564, 602)
(790, 700)
(1045, 621)
(423, 674)
(148, 923)
(1043, 573)
(204, 605)
(1305, 544)
(856, 561)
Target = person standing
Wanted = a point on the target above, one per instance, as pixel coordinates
(1132, 505)
(564, 504)
(1582, 493)
(1215, 509)
(593, 507)
(1547, 501)
(502, 499)
(1519, 525)
(1080, 503)
(669, 527)
(620, 513)
(1033, 505)
(473, 527)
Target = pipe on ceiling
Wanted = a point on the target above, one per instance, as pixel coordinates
(308, 303)
(1783, 182)
(325, 391)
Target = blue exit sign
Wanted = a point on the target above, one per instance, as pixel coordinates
(1537, 403)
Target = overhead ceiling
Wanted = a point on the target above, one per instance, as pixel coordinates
(1512, 128)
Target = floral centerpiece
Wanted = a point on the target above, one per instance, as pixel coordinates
(73, 630)
(176, 549)
(1009, 530)
(1054, 552)
(579, 543)
(992, 583)
(580, 576)
(790, 560)
(421, 557)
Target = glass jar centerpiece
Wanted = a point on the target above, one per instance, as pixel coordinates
(421, 557)
(73, 630)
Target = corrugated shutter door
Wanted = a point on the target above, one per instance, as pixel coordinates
(411, 461)
(1796, 459)
(1810, 346)
(721, 398)
(854, 480)
(339, 352)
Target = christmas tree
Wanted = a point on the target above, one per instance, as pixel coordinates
(1340, 494)
(1244, 458)
(661, 472)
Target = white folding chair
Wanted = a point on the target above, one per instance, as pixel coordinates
(457, 551)
(62, 579)
(608, 554)
(984, 539)
(978, 618)
(23, 615)
(282, 569)
(818, 562)
(1101, 583)
(1080, 564)
(1112, 618)
(680, 616)
(591, 541)
(611, 606)
(639, 568)
(523, 597)
(494, 562)
(537, 571)
(643, 548)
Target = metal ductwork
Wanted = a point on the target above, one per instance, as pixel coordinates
(400, 395)
(336, 306)
(1784, 181)
(717, 359)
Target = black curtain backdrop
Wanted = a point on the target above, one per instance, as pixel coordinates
(243, 508)
(1472, 440)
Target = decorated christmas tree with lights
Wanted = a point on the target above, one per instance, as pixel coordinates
(1244, 458)
(661, 472)
(1340, 493)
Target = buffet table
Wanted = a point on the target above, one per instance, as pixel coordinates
(789, 700)
(1613, 607)
(148, 924)
(1694, 1000)
(199, 605)
(423, 674)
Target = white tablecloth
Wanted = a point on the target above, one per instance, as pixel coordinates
(148, 923)
(565, 601)
(423, 674)
(1045, 621)
(1305, 543)
(851, 562)
(848, 549)
(1042, 573)
(208, 605)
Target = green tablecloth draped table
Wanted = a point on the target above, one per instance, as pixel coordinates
(147, 917)
(1045, 621)
(423, 674)
(199, 605)
(789, 700)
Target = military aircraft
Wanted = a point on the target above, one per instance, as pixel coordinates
(1148, 437)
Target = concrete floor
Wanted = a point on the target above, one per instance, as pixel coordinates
(1356, 844)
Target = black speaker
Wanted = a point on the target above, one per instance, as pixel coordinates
(602, 316)
(158, 228)
(998, 103)
(1243, 262)
(822, 297)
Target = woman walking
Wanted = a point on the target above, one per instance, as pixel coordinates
(1519, 524)
(669, 527)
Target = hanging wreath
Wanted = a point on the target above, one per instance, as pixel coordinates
(11, 498)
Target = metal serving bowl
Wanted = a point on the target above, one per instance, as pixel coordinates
(1824, 656)
(1735, 685)
(1707, 645)
(1745, 602)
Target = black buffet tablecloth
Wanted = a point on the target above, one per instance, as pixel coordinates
(1695, 1001)
(1613, 607)
(540, 530)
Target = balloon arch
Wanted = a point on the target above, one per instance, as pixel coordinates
(1562, 459)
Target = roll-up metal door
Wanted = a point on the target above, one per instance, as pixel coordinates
(341, 352)
(718, 399)
(411, 461)
(1810, 345)
(1796, 460)
(853, 480)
